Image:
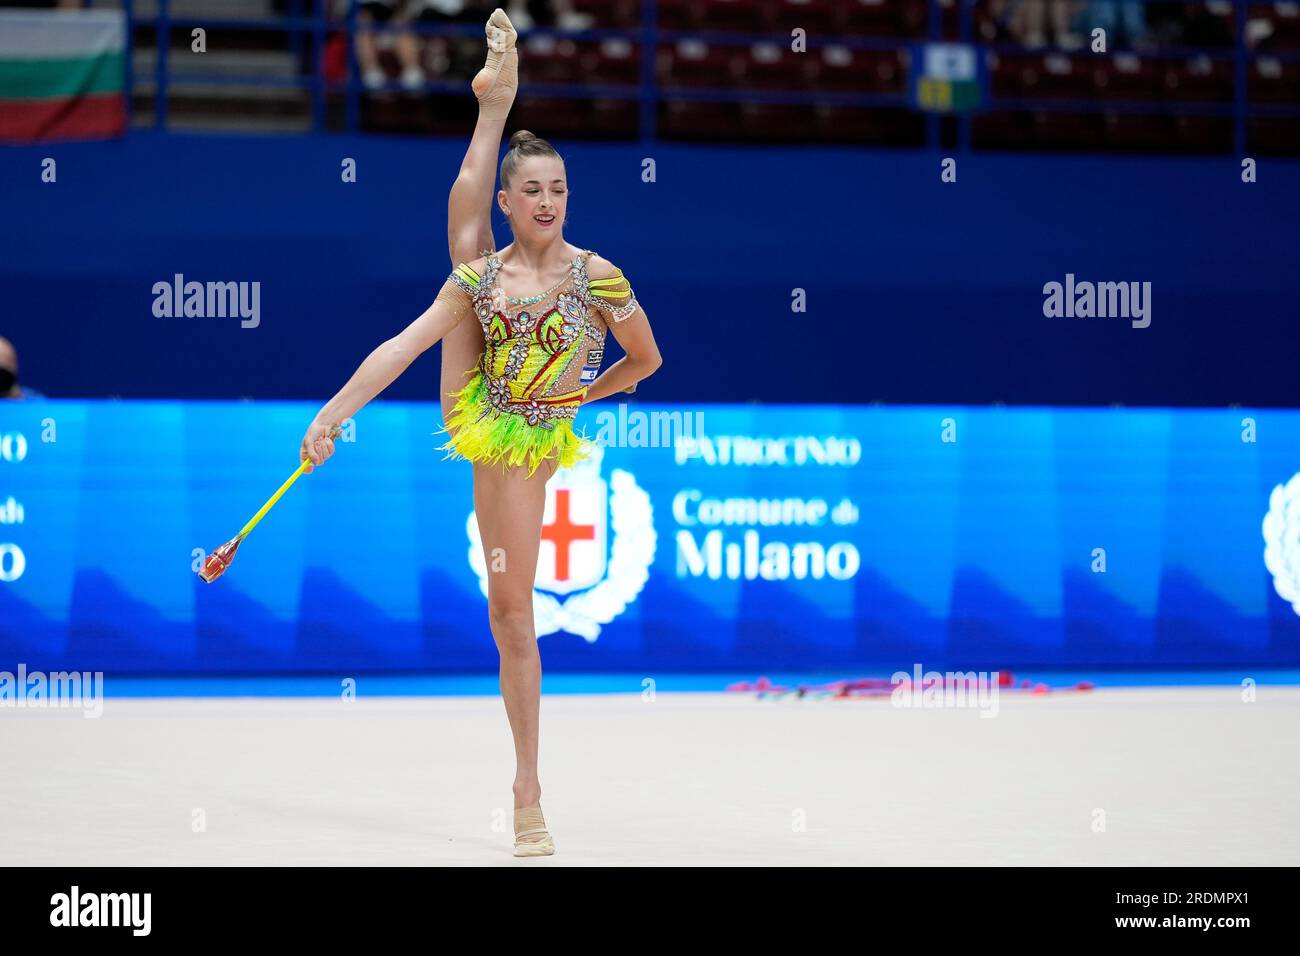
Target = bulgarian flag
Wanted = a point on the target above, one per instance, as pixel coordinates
(61, 74)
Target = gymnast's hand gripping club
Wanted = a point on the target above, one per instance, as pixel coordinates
(219, 560)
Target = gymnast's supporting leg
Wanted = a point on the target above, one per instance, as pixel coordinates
(469, 207)
(510, 506)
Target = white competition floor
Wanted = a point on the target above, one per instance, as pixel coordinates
(1181, 775)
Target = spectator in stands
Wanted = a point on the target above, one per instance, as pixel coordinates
(370, 12)
(441, 53)
(525, 14)
(448, 55)
(1130, 15)
(9, 387)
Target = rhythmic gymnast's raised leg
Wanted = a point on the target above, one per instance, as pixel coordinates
(469, 207)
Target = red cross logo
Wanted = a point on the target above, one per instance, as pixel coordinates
(562, 533)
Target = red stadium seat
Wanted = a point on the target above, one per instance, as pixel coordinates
(816, 17)
(883, 18)
(1001, 129)
(1081, 132)
(839, 68)
(1130, 131)
(611, 14)
(1286, 28)
(914, 18)
(1271, 80)
(727, 16)
(615, 119)
(770, 66)
(559, 116)
(1200, 79)
(681, 119)
(1035, 75)
(868, 18)
(887, 70)
(1275, 135)
(547, 59)
(693, 63)
(1058, 74)
(1273, 27)
(674, 14)
(611, 63)
(775, 122)
(1132, 77)
(842, 70)
(1204, 134)
(865, 126)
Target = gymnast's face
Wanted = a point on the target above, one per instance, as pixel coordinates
(537, 199)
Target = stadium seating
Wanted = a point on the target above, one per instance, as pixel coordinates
(730, 70)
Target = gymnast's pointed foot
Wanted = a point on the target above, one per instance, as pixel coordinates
(531, 835)
(495, 84)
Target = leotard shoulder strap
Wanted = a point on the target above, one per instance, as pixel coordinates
(467, 276)
(490, 270)
(469, 281)
(612, 294)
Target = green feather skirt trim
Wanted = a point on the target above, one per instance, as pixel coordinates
(484, 434)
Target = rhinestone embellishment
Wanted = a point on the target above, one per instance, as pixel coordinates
(519, 333)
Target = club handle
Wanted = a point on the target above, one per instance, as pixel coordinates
(274, 498)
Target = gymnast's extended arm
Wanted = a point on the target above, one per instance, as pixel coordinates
(381, 368)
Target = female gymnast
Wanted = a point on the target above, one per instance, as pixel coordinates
(513, 375)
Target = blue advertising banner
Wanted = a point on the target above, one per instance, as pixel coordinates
(723, 537)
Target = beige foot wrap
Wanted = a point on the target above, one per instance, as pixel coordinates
(531, 836)
(495, 84)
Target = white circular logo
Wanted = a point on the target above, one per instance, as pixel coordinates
(587, 574)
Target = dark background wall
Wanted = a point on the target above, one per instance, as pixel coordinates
(917, 291)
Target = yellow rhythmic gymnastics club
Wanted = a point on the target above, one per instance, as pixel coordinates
(220, 559)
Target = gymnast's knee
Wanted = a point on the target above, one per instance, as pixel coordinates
(511, 620)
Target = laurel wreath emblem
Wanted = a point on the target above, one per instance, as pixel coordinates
(631, 555)
(1282, 541)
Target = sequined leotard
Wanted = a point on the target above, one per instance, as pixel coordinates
(540, 355)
